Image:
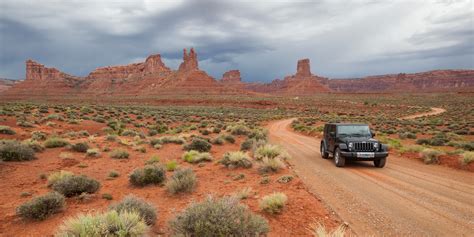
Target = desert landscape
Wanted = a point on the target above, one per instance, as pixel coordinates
(155, 144)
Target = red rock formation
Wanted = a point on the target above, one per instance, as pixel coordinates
(36, 71)
(302, 83)
(231, 77)
(5, 84)
(303, 68)
(432, 81)
(190, 62)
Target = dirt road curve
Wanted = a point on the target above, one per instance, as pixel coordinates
(406, 198)
(434, 111)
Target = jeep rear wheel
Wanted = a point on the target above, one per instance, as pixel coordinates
(338, 159)
(380, 163)
(324, 153)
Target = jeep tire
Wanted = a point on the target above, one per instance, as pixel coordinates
(338, 159)
(324, 153)
(380, 163)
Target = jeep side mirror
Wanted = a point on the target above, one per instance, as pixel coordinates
(372, 132)
(332, 134)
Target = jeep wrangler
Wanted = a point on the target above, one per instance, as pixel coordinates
(347, 141)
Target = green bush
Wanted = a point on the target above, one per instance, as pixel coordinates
(236, 159)
(110, 223)
(198, 144)
(55, 142)
(12, 150)
(80, 147)
(182, 180)
(171, 165)
(218, 217)
(134, 204)
(196, 156)
(41, 207)
(36, 146)
(238, 129)
(75, 185)
(247, 145)
(150, 174)
(6, 130)
(119, 154)
(273, 203)
(270, 151)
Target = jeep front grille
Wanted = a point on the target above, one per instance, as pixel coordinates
(364, 146)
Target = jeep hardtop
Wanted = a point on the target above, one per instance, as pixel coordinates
(350, 141)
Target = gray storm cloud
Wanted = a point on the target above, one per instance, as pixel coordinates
(261, 38)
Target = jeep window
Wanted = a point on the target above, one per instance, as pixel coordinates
(353, 130)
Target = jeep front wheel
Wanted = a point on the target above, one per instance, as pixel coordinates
(324, 153)
(338, 159)
(380, 163)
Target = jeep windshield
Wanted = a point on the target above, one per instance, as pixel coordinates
(353, 130)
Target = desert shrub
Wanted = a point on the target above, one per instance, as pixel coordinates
(38, 135)
(150, 174)
(134, 204)
(196, 156)
(229, 138)
(93, 152)
(198, 144)
(467, 157)
(171, 165)
(55, 142)
(271, 165)
(6, 130)
(58, 175)
(468, 146)
(258, 134)
(236, 159)
(110, 223)
(285, 179)
(244, 193)
(218, 140)
(41, 207)
(119, 154)
(36, 146)
(319, 230)
(268, 150)
(431, 156)
(405, 135)
(182, 180)
(80, 147)
(12, 150)
(238, 129)
(167, 139)
(154, 159)
(114, 174)
(273, 203)
(218, 217)
(411, 148)
(247, 144)
(75, 185)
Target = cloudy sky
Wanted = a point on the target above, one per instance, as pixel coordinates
(263, 39)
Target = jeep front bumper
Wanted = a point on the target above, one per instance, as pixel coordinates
(354, 155)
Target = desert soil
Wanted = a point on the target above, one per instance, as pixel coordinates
(406, 198)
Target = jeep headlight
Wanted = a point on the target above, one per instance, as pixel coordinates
(376, 146)
(350, 145)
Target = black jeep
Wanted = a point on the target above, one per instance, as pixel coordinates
(354, 142)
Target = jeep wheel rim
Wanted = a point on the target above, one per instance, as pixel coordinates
(336, 157)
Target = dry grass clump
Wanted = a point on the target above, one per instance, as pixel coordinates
(273, 203)
(55, 142)
(431, 156)
(236, 159)
(319, 230)
(182, 180)
(12, 150)
(467, 157)
(119, 154)
(196, 156)
(111, 223)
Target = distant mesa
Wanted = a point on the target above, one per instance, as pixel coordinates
(153, 78)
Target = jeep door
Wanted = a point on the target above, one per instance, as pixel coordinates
(331, 139)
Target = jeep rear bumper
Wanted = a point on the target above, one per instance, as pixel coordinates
(353, 155)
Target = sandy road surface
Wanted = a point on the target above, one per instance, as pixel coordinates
(406, 198)
(434, 111)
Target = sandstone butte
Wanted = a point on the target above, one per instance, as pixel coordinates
(153, 78)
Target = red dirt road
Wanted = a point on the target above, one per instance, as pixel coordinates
(406, 198)
(434, 111)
